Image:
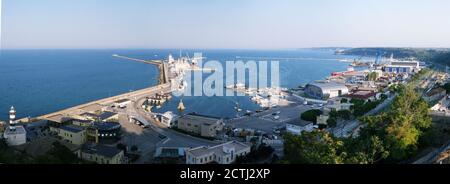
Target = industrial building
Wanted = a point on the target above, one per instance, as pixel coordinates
(407, 67)
(221, 154)
(325, 90)
(169, 119)
(204, 126)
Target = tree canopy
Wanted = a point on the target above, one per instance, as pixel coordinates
(388, 137)
(311, 115)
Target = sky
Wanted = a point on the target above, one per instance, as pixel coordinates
(224, 24)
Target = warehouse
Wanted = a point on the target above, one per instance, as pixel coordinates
(325, 90)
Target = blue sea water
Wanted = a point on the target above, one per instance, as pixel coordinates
(38, 82)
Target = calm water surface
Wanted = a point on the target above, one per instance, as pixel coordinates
(37, 82)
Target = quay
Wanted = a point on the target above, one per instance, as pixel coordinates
(163, 87)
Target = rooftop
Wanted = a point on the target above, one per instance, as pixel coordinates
(107, 125)
(328, 85)
(360, 94)
(170, 114)
(299, 122)
(169, 152)
(19, 130)
(82, 120)
(435, 91)
(106, 151)
(218, 150)
(72, 128)
(107, 115)
(405, 63)
(201, 119)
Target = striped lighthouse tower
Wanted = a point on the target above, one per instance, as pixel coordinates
(12, 119)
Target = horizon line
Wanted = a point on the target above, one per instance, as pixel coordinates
(198, 48)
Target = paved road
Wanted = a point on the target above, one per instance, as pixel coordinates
(132, 95)
(148, 140)
(183, 140)
(352, 127)
(265, 121)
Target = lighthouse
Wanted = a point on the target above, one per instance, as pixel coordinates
(15, 135)
(12, 119)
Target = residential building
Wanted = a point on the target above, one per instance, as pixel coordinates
(101, 154)
(72, 134)
(204, 126)
(221, 154)
(325, 90)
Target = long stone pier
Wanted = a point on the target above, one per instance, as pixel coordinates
(163, 87)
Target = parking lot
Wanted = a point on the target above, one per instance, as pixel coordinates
(266, 121)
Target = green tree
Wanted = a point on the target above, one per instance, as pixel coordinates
(366, 150)
(317, 147)
(372, 76)
(402, 127)
(311, 115)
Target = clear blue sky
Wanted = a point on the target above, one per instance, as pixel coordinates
(258, 24)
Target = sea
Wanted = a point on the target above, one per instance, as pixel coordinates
(37, 82)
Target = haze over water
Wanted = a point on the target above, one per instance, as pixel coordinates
(38, 82)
